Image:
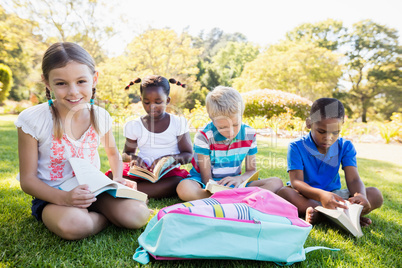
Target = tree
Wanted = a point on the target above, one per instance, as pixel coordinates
(372, 63)
(76, 21)
(211, 43)
(20, 49)
(215, 40)
(156, 51)
(326, 33)
(296, 67)
(6, 81)
(228, 64)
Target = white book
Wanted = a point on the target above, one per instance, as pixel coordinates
(98, 182)
(348, 219)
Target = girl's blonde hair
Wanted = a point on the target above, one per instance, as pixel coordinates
(59, 55)
(224, 101)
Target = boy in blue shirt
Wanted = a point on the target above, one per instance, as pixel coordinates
(221, 146)
(313, 166)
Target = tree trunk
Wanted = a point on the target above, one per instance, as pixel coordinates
(364, 115)
(364, 110)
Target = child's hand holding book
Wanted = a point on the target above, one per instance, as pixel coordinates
(229, 181)
(361, 200)
(156, 161)
(332, 201)
(137, 161)
(128, 183)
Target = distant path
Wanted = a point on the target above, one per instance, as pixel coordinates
(376, 151)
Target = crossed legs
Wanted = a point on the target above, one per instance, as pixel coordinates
(72, 223)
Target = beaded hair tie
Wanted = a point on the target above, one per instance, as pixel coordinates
(91, 102)
(50, 102)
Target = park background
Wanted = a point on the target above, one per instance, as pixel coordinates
(280, 56)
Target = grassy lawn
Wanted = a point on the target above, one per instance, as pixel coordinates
(26, 242)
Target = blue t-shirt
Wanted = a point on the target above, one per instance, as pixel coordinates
(320, 170)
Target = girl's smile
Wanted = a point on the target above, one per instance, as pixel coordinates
(72, 84)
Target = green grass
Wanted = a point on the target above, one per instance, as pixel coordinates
(26, 242)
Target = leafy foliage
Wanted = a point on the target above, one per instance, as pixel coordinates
(156, 51)
(228, 64)
(268, 102)
(215, 40)
(6, 81)
(301, 68)
(197, 117)
(78, 21)
(327, 34)
(20, 50)
(373, 64)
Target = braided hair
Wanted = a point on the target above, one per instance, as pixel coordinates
(155, 81)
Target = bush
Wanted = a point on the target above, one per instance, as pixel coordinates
(6, 81)
(269, 102)
(396, 119)
(197, 117)
(14, 107)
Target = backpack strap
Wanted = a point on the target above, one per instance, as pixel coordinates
(307, 250)
(141, 255)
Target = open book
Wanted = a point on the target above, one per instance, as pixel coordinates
(213, 187)
(347, 219)
(163, 166)
(85, 173)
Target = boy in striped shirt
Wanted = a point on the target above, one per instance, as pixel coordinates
(221, 146)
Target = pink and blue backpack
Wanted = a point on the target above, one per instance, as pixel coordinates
(246, 223)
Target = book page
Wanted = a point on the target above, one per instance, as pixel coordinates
(69, 184)
(98, 182)
(125, 191)
(139, 170)
(86, 173)
(253, 177)
(213, 187)
(165, 171)
(339, 217)
(355, 211)
(164, 163)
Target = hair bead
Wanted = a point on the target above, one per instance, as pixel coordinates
(50, 102)
(174, 81)
(137, 80)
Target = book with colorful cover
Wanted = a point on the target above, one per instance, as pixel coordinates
(213, 186)
(163, 166)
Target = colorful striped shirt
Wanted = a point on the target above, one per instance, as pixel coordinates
(226, 155)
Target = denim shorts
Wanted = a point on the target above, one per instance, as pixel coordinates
(37, 208)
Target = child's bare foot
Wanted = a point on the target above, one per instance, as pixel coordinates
(312, 215)
(365, 221)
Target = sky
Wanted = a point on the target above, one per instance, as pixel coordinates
(262, 22)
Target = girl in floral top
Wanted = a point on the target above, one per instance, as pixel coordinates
(71, 126)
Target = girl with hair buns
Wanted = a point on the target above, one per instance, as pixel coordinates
(71, 126)
(156, 135)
